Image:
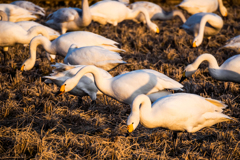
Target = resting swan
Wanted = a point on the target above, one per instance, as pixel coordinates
(177, 112)
(196, 6)
(125, 87)
(35, 9)
(63, 42)
(28, 24)
(233, 43)
(85, 85)
(155, 12)
(16, 14)
(228, 71)
(114, 12)
(93, 55)
(202, 25)
(72, 19)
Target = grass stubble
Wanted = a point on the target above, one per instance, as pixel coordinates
(36, 124)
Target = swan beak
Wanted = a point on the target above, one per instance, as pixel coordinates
(157, 31)
(130, 128)
(22, 68)
(62, 90)
(194, 44)
(225, 15)
(183, 77)
(52, 60)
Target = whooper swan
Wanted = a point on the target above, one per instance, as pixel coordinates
(196, 6)
(114, 12)
(228, 71)
(177, 112)
(233, 43)
(202, 25)
(93, 55)
(72, 19)
(125, 87)
(35, 9)
(155, 12)
(63, 42)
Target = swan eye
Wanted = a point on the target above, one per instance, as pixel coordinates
(132, 122)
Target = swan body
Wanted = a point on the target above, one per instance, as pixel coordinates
(16, 14)
(35, 9)
(63, 42)
(84, 87)
(126, 2)
(28, 24)
(196, 6)
(93, 55)
(228, 71)
(72, 19)
(155, 12)
(233, 43)
(202, 25)
(177, 112)
(114, 12)
(125, 87)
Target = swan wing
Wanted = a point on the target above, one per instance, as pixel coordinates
(30, 7)
(63, 15)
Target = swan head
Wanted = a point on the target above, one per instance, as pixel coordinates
(197, 41)
(27, 65)
(154, 28)
(68, 85)
(188, 72)
(51, 57)
(132, 122)
(223, 11)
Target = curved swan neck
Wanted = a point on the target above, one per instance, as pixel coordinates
(206, 57)
(3, 16)
(36, 30)
(86, 14)
(143, 101)
(180, 14)
(214, 20)
(220, 5)
(135, 12)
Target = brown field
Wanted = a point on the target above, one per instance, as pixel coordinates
(36, 124)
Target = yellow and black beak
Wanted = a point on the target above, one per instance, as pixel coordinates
(61, 91)
(157, 31)
(130, 128)
(183, 77)
(194, 44)
(22, 68)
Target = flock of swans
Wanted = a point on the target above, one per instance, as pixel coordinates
(89, 56)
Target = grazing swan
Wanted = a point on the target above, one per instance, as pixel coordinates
(11, 33)
(196, 6)
(125, 87)
(28, 24)
(177, 112)
(155, 12)
(93, 55)
(35, 9)
(228, 71)
(16, 14)
(233, 43)
(114, 12)
(3, 16)
(72, 19)
(202, 25)
(63, 42)
(85, 86)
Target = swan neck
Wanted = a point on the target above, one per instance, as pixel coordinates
(179, 14)
(143, 101)
(36, 30)
(135, 12)
(86, 14)
(220, 4)
(206, 57)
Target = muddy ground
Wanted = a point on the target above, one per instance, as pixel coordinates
(34, 123)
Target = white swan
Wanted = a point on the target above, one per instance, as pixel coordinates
(35, 9)
(85, 85)
(202, 25)
(16, 14)
(28, 24)
(125, 87)
(177, 112)
(126, 2)
(228, 71)
(72, 19)
(63, 42)
(11, 34)
(233, 43)
(196, 6)
(93, 55)
(114, 12)
(155, 12)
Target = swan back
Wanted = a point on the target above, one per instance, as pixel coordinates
(30, 7)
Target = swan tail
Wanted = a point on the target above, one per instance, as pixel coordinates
(62, 67)
(25, 18)
(112, 48)
(217, 103)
